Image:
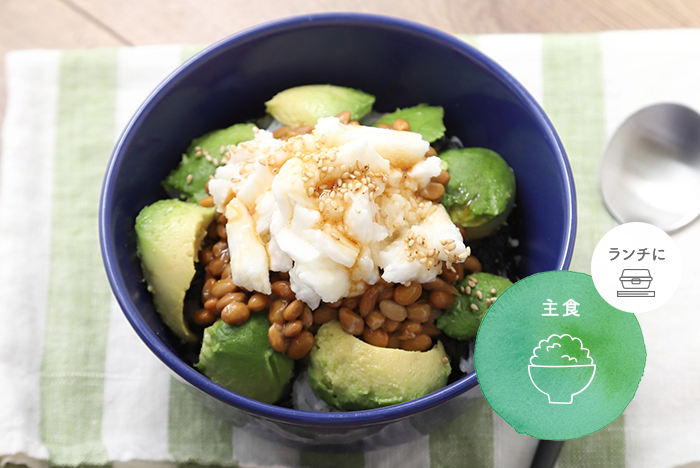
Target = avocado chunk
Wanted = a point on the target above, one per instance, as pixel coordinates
(423, 119)
(461, 321)
(201, 159)
(481, 190)
(304, 105)
(353, 375)
(169, 234)
(240, 358)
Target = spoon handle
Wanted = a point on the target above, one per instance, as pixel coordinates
(547, 454)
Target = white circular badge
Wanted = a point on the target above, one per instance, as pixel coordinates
(636, 267)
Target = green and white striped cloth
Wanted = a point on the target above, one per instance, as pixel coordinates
(78, 388)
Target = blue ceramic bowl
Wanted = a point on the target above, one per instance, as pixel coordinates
(402, 64)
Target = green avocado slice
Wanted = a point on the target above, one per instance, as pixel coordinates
(196, 163)
(423, 119)
(353, 375)
(481, 190)
(240, 358)
(169, 234)
(304, 105)
(461, 321)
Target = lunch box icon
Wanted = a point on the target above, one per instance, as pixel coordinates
(635, 279)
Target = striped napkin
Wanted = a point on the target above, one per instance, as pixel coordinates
(78, 388)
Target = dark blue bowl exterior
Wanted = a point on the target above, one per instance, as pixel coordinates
(402, 64)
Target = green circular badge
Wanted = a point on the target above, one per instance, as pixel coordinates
(555, 360)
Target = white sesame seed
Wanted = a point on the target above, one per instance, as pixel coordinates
(493, 291)
(189, 179)
(474, 306)
(479, 295)
(468, 289)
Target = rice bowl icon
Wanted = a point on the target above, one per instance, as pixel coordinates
(561, 367)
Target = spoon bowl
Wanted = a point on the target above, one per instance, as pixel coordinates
(650, 171)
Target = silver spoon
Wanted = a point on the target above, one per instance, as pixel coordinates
(650, 171)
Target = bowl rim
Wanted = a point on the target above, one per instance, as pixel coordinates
(269, 411)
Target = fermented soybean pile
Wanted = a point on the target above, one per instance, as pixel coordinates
(329, 244)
